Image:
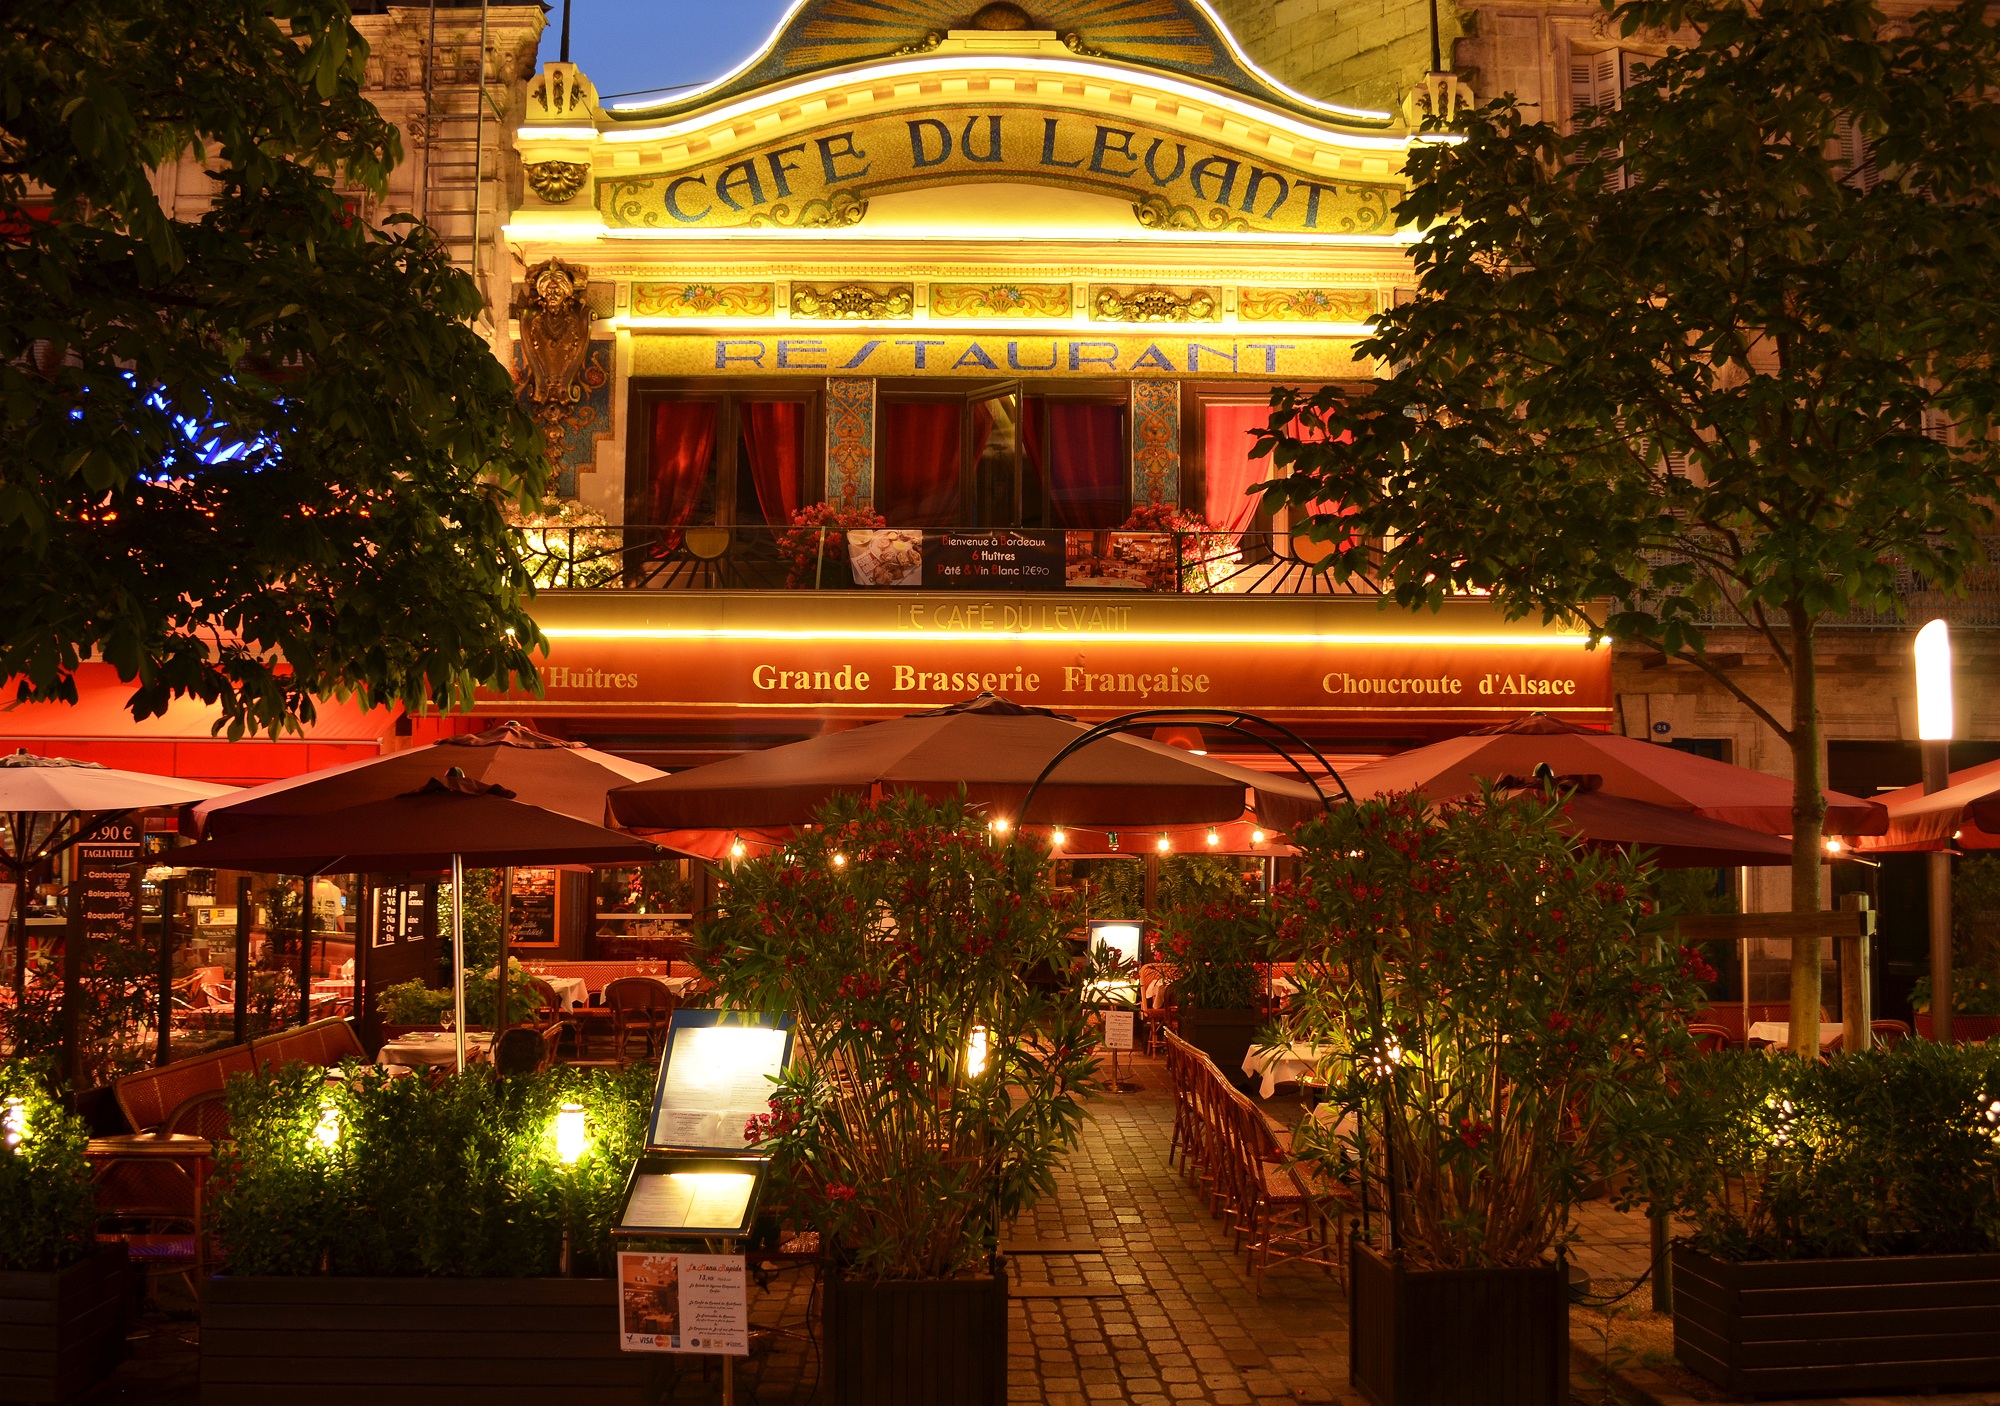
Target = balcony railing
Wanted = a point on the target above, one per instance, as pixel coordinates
(642, 557)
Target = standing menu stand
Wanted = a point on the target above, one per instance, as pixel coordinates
(694, 1193)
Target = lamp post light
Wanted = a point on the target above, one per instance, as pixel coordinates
(1935, 724)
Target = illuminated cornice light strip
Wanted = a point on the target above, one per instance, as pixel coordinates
(556, 134)
(1228, 37)
(989, 326)
(591, 231)
(992, 66)
(737, 632)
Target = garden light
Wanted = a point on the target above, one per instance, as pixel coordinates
(327, 1131)
(839, 860)
(1934, 713)
(975, 1052)
(1163, 844)
(1384, 1058)
(1783, 1119)
(572, 1135)
(14, 1121)
(1992, 1120)
(1214, 836)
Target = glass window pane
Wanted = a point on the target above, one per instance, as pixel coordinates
(772, 460)
(996, 425)
(681, 476)
(917, 463)
(1086, 463)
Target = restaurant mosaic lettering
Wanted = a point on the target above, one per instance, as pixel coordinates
(814, 179)
(814, 353)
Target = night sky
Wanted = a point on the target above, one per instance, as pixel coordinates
(626, 46)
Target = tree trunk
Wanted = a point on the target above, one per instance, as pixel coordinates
(1808, 833)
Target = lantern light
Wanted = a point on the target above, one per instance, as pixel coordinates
(975, 1052)
(1214, 836)
(13, 1121)
(1934, 712)
(1163, 844)
(572, 1134)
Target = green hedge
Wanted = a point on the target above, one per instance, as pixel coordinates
(361, 1174)
(1892, 1152)
(47, 1217)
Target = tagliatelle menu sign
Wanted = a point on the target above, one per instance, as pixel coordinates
(863, 654)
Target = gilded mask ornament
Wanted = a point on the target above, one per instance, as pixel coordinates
(554, 309)
(557, 181)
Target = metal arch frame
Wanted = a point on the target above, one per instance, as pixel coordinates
(1230, 720)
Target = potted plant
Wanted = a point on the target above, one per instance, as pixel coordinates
(63, 1298)
(1846, 1221)
(933, 1088)
(425, 1226)
(1214, 938)
(1494, 1002)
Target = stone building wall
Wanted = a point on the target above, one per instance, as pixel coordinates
(1360, 53)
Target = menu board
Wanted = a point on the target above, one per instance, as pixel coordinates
(683, 1303)
(998, 560)
(533, 914)
(716, 1077)
(1118, 1030)
(689, 1202)
(104, 860)
(399, 914)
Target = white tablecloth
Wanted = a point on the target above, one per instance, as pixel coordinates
(1779, 1032)
(571, 991)
(438, 1049)
(1285, 1066)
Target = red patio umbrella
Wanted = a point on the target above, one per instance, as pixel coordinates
(991, 748)
(1629, 768)
(1966, 814)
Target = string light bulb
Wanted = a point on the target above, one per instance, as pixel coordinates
(1214, 836)
(1256, 837)
(1059, 837)
(572, 1134)
(736, 848)
(1163, 844)
(1000, 824)
(1833, 845)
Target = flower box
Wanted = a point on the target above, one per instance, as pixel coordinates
(1839, 1327)
(1472, 1337)
(62, 1332)
(483, 1342)
(918, 1342)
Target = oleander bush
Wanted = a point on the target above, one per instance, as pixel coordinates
(47, 1218)
(1894, 1151)
(356, 1173)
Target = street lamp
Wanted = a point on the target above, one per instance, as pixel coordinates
(1934, 729)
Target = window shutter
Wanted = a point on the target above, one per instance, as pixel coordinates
(1936, 426)
(1595, 80)
(1857, 155)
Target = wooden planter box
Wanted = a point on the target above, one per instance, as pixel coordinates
(483, 1342)
(935, 1342)
(1224, 1036)
(1457, 1337)
(1839, 1327)
(62, 1332)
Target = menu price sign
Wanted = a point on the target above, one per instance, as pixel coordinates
(533, 917)
(715, 1079)
(999, 560)
(683, 1303)
(1117, 1030)
(399, 914)
(104, 860)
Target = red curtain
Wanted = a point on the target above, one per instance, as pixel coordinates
(917, 463)
(1086, 463)
(1226, 447)
(683, 458)
(774, 441)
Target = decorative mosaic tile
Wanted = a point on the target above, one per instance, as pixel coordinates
(1156, 442)
(850, 441)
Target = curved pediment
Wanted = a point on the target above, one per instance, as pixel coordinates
(1180, 37)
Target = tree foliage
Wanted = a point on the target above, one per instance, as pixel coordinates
(256, 456)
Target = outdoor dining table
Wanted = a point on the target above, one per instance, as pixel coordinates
(433, 1048)
(1284, 1066)
(1779, 1032)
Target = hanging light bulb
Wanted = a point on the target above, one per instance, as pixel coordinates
(1256, 837)
(736, 849)
(1000, 824)
(572, 1134)
(1163, 844)
(975, 1052)
(1833, 846)
(1214, 836)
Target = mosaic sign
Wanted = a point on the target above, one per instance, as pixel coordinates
(823, 179)
(812, 352)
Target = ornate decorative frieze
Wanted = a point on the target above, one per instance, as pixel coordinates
(1154, 304)
(855, 301)
(702, 300)
(1156, 441)
(839, 210)
(1157, 212)
(557, 181)
(1000, 299)
(1304, 304)
(850, 441)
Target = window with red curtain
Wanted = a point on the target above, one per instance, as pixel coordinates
(917, 462)
(774, 459)
(683, 460)
(1084, 455)
(1226, 445)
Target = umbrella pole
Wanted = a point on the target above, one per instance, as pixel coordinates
(458, 953)
(72, 993)
(163, 1045)
(305, 948)
(506, 930)
(240, 1020)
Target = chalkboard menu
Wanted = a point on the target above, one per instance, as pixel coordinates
(110, 885)
(400, 914)
(999, 560)
(534, 912)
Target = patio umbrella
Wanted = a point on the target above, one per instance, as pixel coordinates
(51, 803)
(1630, 768)
(566, 777)
(449, 821)
(992, 748)
(1966, 814)
(1671, 839)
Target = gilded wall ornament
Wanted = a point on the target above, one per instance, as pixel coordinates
(558, 93)
(853, 300)
(1157, 212)
(702, 300)
(554, 308)
(1304, 304)
(1154, 304)
(557, 181)
(1074, 42)
(930, 40)
(837, 211)
(1000, 299)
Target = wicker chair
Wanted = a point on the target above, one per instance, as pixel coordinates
(640, 1002)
